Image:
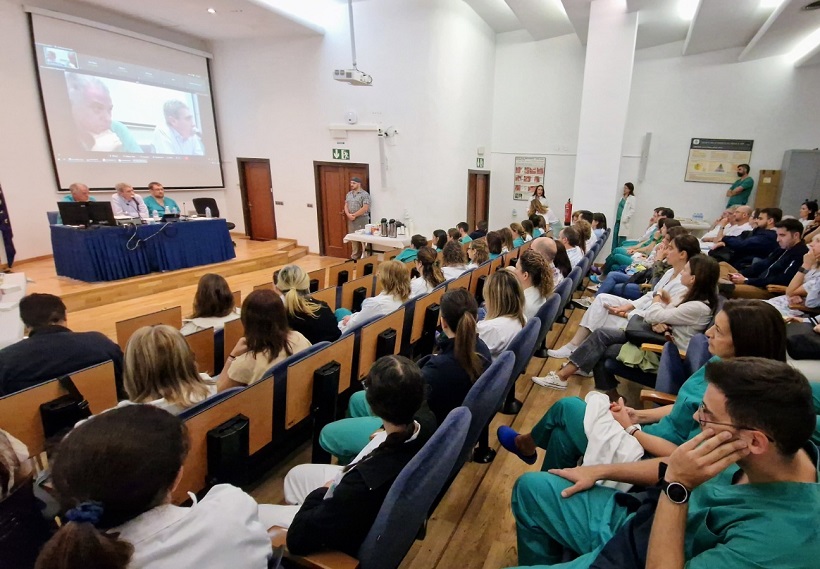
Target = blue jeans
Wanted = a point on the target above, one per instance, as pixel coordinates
(619, 285)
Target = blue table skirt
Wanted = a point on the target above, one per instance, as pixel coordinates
(112, 253)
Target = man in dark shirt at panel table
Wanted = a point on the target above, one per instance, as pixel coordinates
(51, 349)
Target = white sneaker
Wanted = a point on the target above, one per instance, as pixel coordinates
(584, 302)
(594, 287)
(563, 352)
(551, 380)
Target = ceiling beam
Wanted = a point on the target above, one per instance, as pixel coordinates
(762, 31)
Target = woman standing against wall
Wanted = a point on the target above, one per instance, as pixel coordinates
(623, 219)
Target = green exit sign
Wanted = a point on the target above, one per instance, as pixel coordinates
(479, 162)
(341, 154)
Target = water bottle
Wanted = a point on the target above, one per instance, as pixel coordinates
(155, 216)
(167, 209)
(208, 212)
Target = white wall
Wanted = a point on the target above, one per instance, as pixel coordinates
(26, 169)
(536, 111)
(432, 64)
(712, 96)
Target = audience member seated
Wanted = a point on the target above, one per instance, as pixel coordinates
(463, 229)
(158, 202)
(677, 320)
(478, 253)
(751, 474)
(622, 257)
(520, 235)
(439, 239)
(114, 476)
(334, 506)
(548, 248)
(127, 203)
(461, 356)
(539, 225)
(409, 254)
(742, 251)
(589, 217)
(813, 228)
(808, 211)
(657, 214)
(733, 224)
(160, 370)
(804, 288)
(528, 229)
(535, 276)
(561, 261)
(504, 300)
(51, 349)
(571, 239)
(494, 244)
(776, 269)
(598, 224)
(395, 280)
(430, 275)
(480, 230)
(79, 193)
(268, 339)
(453, 263)
(213, 305)
(15, 467)
(585, 232)
(608, 311)
(310, 317)
(742, 328)
(453, 234)
(508, 239)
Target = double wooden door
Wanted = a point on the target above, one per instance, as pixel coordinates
(332, 185)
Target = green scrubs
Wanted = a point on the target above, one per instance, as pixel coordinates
(407, 255)
(345, 438)
(747, 184)
(465, 239)
(153, 206)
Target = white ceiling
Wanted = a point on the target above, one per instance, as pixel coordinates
(760, 27)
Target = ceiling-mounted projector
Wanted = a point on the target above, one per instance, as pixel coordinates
(353, 76)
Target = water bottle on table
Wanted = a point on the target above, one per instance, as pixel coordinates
(208, 213)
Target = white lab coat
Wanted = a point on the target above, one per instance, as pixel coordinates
(498, 333)
(453, 272)
(626, 217)
(379, 305)
(222, 530)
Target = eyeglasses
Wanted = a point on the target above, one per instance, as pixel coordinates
(703, 422)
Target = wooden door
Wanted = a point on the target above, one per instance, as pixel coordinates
(257, 198)
(332, 185)
(478, 197)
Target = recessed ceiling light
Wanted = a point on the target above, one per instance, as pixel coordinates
(211, 11)
(806, 46)
(687, 9)
(770, 4)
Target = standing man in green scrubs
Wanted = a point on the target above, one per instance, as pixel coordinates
(739, 192)
(742, 493)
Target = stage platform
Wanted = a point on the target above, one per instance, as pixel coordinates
(98, 306)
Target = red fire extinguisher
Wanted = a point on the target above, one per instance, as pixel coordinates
(568, 212)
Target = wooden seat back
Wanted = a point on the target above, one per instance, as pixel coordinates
(461, 282)
(126, 328)
(369, 336)
(319, 275)
(496, 263)
(347, 290)
(20, 412)
(255, 402)
(390, 255)
(237, 298)
(202, 345)
(418, 313)
(264, 286)
(327, 295)
(362, 264)
(300, 377)
(234, 331)
(477, 273)
(333, 272)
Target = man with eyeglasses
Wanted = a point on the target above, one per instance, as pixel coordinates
(742, 493)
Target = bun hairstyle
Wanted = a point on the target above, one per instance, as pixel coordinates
(534, 263)
(460, 311)
(294, 283)
(109, 470)
(430, 269)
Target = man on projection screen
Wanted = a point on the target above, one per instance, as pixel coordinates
(179, 134)
(91, 107)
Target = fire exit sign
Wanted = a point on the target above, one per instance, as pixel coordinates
(479, 162)
(341, 154)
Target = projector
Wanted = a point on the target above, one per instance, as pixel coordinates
(353, 76)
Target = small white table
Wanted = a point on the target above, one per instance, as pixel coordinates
(13, 290)
(698, 228)
(378, 242)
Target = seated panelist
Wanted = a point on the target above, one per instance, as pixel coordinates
(79, 194)
(127, 202)
(159, 202)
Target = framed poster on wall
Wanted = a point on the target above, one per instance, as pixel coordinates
(715, 160)
(529, 172)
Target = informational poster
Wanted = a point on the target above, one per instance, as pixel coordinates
(529, 173)
(715, 160)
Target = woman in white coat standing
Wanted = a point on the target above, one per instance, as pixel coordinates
(623, 219)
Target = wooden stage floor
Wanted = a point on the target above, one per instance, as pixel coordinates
(98, 306)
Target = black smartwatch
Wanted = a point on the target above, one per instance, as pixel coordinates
(675, 491)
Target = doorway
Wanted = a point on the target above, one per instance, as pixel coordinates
(332, 185)
(478, 197)
(257, 198)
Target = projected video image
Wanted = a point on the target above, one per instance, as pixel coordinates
(61, 57)
(110, 115)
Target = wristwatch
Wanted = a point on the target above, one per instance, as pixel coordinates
(675, 491)
(631, 429)
(803, 270)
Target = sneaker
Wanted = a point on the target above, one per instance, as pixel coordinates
(551, 380)
(594, 288)
(563, 352)
(583, 303)
(506, 436)
(594, 279)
